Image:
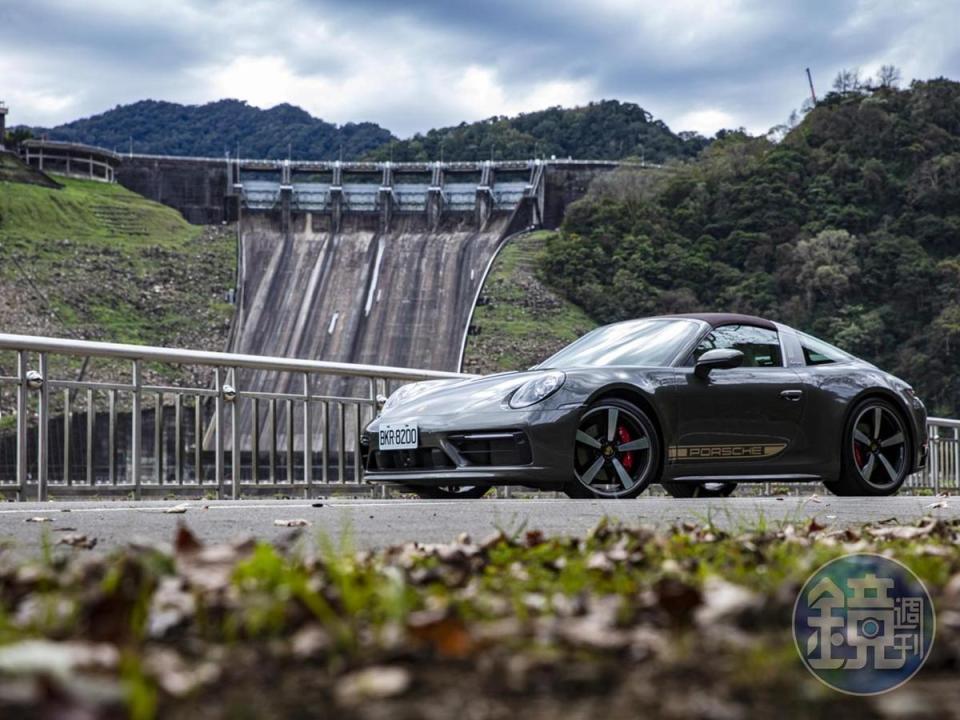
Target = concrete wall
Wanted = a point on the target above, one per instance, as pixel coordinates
(564, 185)
(197, 188)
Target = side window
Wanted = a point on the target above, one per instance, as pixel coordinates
(817, 352)
(760, 346)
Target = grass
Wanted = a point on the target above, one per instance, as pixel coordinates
(521, 320)
(13, 170)
(99, 262)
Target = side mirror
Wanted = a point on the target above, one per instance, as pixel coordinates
(720, 359)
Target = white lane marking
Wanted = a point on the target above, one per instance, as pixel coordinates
(280, 505)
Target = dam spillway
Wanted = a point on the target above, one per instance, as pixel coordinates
(360, 293)
(400, 296)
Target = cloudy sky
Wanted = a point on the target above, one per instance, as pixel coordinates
(415, 64)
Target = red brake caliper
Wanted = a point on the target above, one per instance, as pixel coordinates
(623, 436)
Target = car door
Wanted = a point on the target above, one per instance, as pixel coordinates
(739, 421)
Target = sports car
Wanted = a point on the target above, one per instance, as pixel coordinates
(697, 403)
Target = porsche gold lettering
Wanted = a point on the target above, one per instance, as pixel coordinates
(725, 452)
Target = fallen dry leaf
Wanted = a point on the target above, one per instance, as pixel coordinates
(445, 633)
(294, 522)
(78, 540)
(903, 532)
(373, 683)
(170, 606)
(814, 526)
(177, 676)
(726, 602)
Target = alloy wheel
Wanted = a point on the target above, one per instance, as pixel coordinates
(613, 451)
(879, 446)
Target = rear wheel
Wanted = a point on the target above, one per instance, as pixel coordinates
(876, 451)
(616, 452)
(699, 490)
(451, 492)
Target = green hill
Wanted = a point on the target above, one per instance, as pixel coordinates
(212, 129)
(98, 262)
(519, 320)
(608, 129)
(848, 228)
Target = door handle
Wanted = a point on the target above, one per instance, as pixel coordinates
(792, 395)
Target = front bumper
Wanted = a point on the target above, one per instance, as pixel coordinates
(521, 447)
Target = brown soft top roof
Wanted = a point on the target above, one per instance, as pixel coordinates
(718, 319)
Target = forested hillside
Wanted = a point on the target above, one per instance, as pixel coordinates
(211, 130)
(607, 129)
(603, 130)
(848, 228)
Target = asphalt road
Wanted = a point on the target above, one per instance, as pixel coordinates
(378, 523)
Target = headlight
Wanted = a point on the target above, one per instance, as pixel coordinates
(537, 389)
(406, 393)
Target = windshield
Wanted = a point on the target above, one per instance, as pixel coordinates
(647, 343)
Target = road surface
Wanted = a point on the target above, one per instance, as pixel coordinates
(379, 523)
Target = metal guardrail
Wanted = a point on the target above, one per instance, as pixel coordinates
(76, 436)
(942, 473)
(321, 430)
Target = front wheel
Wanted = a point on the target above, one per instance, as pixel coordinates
(876, 451)
(616, 452)
(700, 490)
(451, 492)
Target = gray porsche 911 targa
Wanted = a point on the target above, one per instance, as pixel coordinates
(697, 403)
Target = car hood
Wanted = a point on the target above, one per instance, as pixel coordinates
(458, 396)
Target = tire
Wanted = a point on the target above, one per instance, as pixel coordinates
(616, 452)
(876, 451)
(699, 490)
(450, 492)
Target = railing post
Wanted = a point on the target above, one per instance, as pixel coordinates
(307, 437)
(22, 424)
(198, 441)
(255, 450)
(234, 440)
(112, 439)
(357, 454)
(341, 443)
(956, 459)
(178, 439)
(935, 459)
(325, 438)
(43, 431)
(66, 437)
(218, 432)
(158, 440)
(273, 440)
(136, 425)
(91, 420)
(289, 427)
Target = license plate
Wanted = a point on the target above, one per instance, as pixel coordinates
(398, 437)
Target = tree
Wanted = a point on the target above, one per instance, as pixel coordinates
(888, 76)
(847, 81)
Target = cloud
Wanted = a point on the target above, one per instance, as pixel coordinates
(419, 64)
